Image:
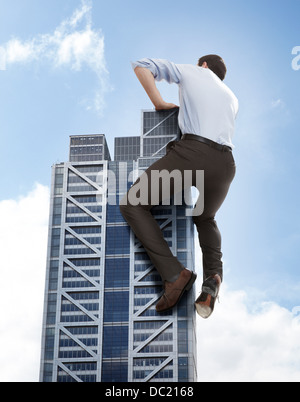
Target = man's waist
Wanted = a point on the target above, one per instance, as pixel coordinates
(207, 141)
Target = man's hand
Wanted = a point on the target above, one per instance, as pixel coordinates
(166, 106)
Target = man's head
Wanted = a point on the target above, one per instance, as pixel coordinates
(215, 63)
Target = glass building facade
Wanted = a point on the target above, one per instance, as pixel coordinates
(100, 322)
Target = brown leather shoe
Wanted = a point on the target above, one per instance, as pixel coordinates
(175, 290)
(205, 303)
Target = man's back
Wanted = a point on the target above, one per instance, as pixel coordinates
(207, 106)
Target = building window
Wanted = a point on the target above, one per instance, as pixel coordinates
(57, 206)
(114, 372)
(116, 306)
(49, 344)
(183, 345)
(59, 180)
(183, 369)
(51, 309)
(53, 274)
(48, 370)
(55, 242)
(116, 272)
(115, 342)
(113, 211)
(117, 240)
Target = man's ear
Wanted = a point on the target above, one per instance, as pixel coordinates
(204, 65)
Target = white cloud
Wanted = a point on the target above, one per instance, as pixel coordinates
(237, 345)
(18, 52)
(74, 44)
(247, 340)
(278, 103)
(23, 245)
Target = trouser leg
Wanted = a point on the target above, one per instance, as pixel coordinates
(216, 188)
(144, 225)
(210, 243)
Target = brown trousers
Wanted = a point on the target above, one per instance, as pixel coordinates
(219, 171)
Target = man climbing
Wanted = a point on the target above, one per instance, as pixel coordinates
(207, 114)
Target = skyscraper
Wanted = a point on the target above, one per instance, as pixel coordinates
(100, 322)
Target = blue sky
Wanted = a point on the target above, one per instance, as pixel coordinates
(55, 85)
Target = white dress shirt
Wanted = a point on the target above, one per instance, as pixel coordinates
(207, 106)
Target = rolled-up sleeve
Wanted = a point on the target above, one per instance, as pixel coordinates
(161, 69)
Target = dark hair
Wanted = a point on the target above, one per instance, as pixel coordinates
(214, 63)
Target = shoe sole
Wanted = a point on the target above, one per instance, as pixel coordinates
(187, 288)
(203, 310)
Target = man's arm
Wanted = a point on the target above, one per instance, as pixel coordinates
(147, 80)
